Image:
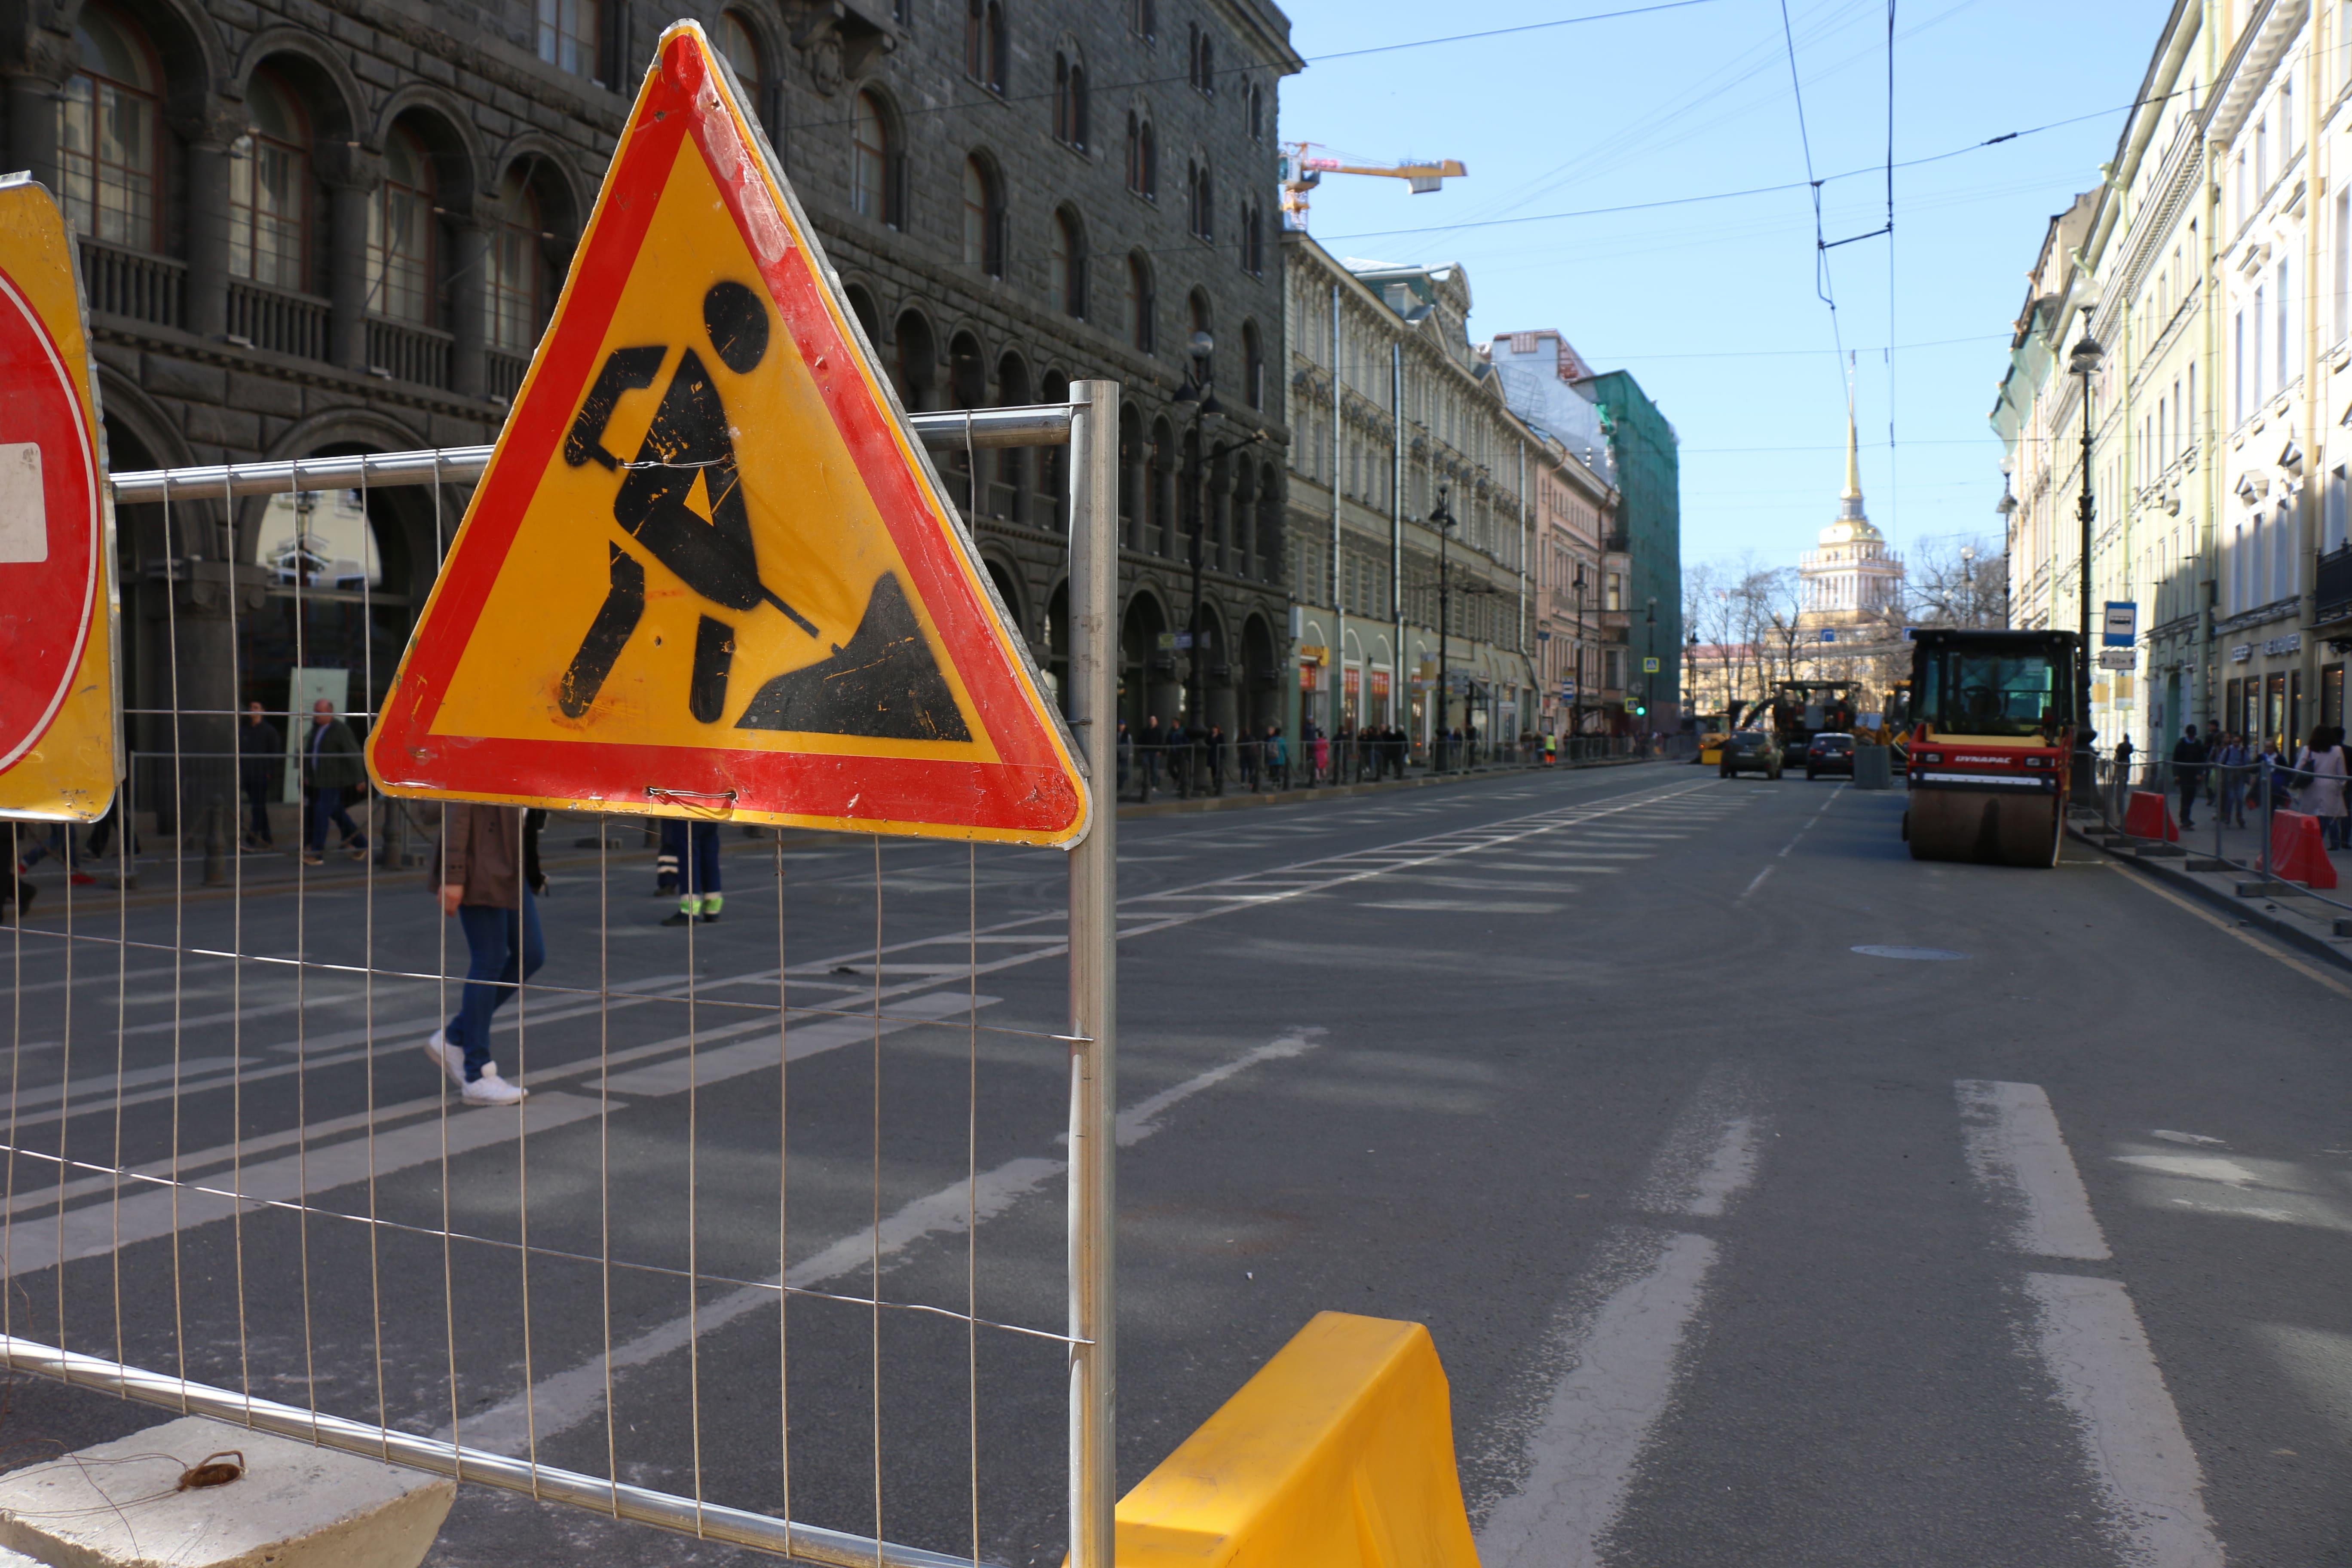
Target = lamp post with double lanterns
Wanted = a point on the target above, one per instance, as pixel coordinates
(1443, 520)
(2083, 361)
(1200, 392)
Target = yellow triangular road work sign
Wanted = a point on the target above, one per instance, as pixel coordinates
(709, 568)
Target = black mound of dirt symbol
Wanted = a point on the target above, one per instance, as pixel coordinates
(885, 684)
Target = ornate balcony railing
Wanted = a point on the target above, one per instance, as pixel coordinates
(278, 320)
(407, 351)
(132, 283)
(504, 372)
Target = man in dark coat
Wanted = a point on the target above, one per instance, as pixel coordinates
(260, 753)
(2189, 771)
(332, 764)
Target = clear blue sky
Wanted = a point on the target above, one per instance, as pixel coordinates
(1712, 304)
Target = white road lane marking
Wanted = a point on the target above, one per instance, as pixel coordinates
(1625, 1365)
(1464, 907)
(2018, 1154)
(32, 1243)
(1754, 885)
(2093, 1346)
(561, 1401)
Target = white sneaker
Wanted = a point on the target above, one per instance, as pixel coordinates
(451, 1059)
(491, 1090)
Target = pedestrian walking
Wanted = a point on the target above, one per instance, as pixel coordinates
(481, 875)
(332, 764)
(260, 753)
(1125, 752)
(1153, 743)
(1277, 758)
(2231, 761)
(2319, 790)
(2188, 756)
(696, 846)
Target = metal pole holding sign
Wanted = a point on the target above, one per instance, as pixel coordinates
(1093, 1036)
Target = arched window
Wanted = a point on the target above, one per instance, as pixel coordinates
(741, 45)
(400, 232)
(518, 291)
(568, 33)
(1208, 63)
(109, 118)
(1254, 111)
(1138, 303)
(984, 43)
(875, 187)
(1252, 249)
(1069, 100)
(1142, 16)
(1199, 201)
(983, 219)
(1142, 158)
(1068, 264)
(269, 189)
(1203, 321)
(1253, 366)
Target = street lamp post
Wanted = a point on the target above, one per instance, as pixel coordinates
(1649, 703)
(1443, 520)
(2083, 361)
(1197, 392)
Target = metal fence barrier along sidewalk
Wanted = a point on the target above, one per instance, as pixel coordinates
(2236, 798)
(205, 1215)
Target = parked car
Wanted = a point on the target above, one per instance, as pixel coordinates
(1750, 751)
(1829, 754)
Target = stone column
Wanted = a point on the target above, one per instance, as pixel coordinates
(352, 176)
(209, 138)
(469, 295)
(33, 80)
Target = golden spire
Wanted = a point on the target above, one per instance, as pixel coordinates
(1853, 445)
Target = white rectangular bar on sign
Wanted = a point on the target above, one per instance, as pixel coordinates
(24, 515)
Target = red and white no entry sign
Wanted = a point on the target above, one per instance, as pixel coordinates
(58, 723)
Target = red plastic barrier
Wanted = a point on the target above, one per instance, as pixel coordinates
(2298, 853)
(2149, 815)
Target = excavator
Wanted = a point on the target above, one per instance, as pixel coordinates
(1992, 748)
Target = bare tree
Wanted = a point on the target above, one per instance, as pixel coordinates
(1959, 580)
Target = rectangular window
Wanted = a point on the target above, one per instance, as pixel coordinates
(2332, 527)
(567, 36)
(2285, 328)
(2238, 369)
(2254, 368)
(2343, 264)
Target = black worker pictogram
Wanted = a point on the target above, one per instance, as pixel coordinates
(687, 446)
(884, 683)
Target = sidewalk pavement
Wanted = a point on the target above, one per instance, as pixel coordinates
(2233, 882)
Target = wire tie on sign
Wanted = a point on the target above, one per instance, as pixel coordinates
(725, 795)
(1074, 1039)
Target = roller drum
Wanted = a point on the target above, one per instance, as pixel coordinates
(1991, 827)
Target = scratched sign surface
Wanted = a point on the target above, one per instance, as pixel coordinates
(707, 569)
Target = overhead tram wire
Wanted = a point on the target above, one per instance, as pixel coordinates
(2005, 136)
(1823, 286)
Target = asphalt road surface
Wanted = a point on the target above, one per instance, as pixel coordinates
(1772, 1198)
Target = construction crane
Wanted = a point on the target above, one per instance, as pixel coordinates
(1303, 170)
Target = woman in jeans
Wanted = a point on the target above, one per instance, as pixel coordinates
(484, 876)
(2322, 792)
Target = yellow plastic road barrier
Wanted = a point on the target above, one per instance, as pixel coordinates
(1338, 1454)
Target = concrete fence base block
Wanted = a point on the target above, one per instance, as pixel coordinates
(119, 1505)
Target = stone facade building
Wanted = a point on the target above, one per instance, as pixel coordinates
(1581, 567)
(2213, 270)
(314, 226)
(1392, 406)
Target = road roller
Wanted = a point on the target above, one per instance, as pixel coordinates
(1991, 746)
